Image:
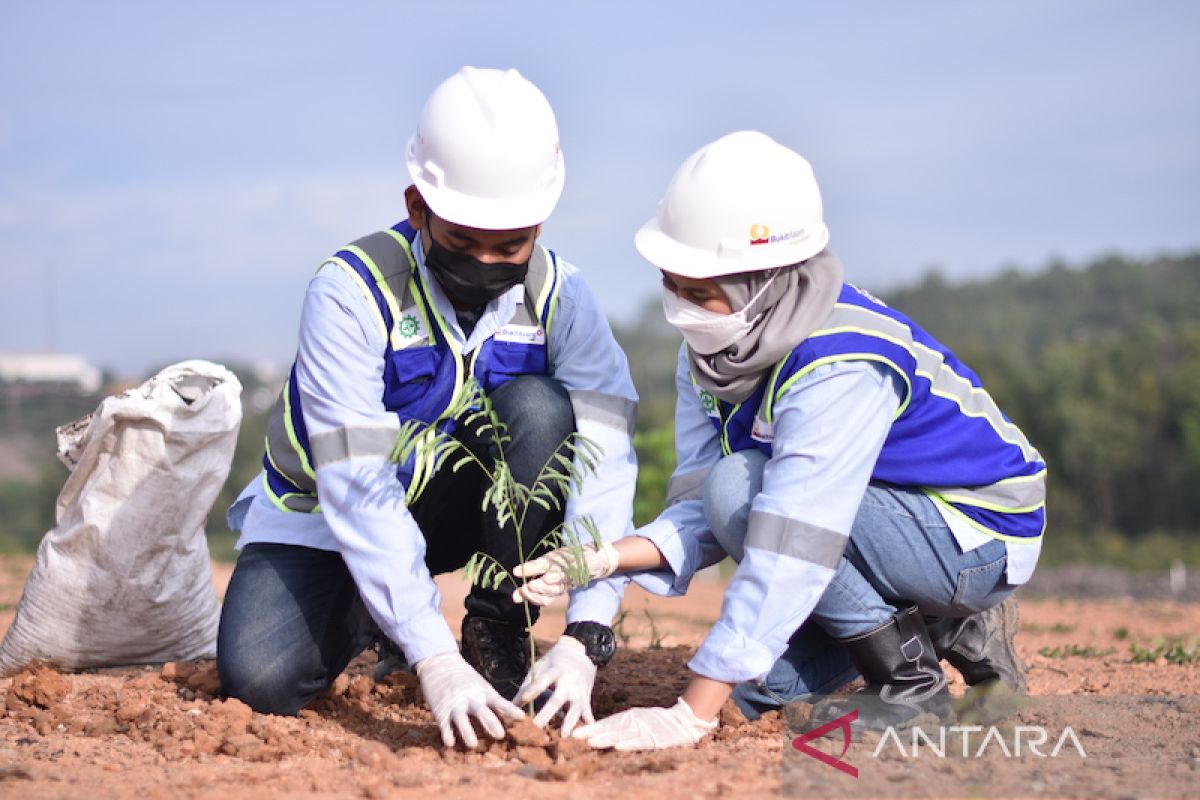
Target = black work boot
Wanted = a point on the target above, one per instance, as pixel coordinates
(904, 679)
(981, 646)
(499, 651)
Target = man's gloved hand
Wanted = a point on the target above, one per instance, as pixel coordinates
(455, 692)
(647, 729)
(563, 569)
(567, 668)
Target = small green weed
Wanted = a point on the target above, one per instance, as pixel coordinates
(656, 639)
(618, 627)
(1075, 651)
(1172, 649)
(1058, 627)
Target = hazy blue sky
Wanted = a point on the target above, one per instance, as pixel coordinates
(173, 173)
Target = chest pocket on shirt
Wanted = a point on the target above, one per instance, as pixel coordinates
(507, 360)
(411, 385)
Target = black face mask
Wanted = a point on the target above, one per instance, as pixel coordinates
(469, 281)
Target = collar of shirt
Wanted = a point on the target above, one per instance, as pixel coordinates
(495, 313)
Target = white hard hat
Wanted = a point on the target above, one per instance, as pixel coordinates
(486, 152)
(741, 204)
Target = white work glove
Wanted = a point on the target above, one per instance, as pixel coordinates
(567, 668)
(647, 729)
(551, 572)
(455, 692)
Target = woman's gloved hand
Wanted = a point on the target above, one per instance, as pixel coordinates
(561, 570)
(647, 729)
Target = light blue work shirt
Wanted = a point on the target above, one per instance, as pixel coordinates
(364, 517)
(829, 430)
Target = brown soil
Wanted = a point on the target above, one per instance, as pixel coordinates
(162, 731)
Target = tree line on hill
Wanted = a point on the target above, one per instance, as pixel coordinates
(1099, 365)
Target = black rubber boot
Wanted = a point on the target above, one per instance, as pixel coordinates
(981, 646)
(904, 679)
(499, 651)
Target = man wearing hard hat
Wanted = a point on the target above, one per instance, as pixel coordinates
(880, 506)
(333, 553)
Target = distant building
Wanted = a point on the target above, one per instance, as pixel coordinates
(31, 374)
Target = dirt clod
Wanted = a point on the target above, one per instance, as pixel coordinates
(567, 749)
(232, 711)
(205, 680)
(376, 755)
(534, 756)
(245, 745)
(573, 769)
(524, 732)
(40, 685)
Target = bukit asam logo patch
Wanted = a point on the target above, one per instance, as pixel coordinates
(761, 234)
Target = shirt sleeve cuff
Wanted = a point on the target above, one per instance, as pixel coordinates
(674, 579)
(597, 602)
(423, 635)
(729, 656)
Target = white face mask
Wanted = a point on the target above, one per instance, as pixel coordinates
(705, 331)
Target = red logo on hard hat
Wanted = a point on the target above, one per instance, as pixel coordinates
(759, 234)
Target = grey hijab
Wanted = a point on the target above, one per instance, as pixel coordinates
(798, 300)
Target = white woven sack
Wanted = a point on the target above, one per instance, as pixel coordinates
(123, 577)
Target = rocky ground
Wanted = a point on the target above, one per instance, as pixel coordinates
(1119, 672)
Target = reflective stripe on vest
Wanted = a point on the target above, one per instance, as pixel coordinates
(424, 368)
(948, 439)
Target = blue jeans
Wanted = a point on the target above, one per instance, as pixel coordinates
(293, 618)
(900, 553)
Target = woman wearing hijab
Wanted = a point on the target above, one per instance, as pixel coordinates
(880, 506)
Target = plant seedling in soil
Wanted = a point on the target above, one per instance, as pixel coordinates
(510, 500)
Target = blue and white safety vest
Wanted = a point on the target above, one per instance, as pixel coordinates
(424, 369)
(949, 439)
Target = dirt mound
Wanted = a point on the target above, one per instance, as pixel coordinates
(165, 732)
(176, 713)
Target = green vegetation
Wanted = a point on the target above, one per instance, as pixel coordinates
(1100, 367)
(618, 627)
(1058, 627)
(1075, 651)
(656, 639)
(507, 498)
(1172, 649)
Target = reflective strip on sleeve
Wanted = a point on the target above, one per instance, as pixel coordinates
(689, 486)
(795, 539)
(343, 444)
(604, 409)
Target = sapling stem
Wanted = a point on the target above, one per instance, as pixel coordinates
(508, 498)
